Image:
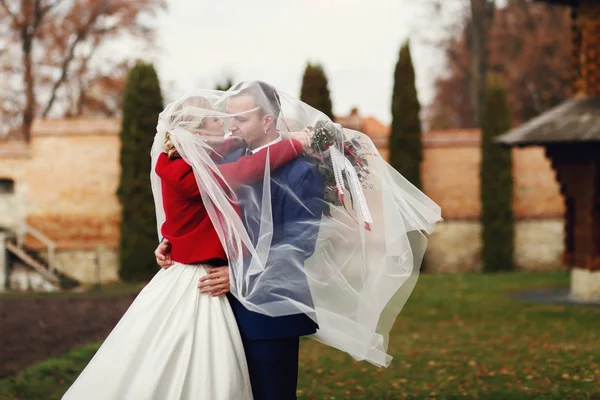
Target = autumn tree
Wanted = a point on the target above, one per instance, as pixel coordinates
(497, 219)
(315, 89)
(142, 102)
(406, 150)
(54, 54)
(527, 46)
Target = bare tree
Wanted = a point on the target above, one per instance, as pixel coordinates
(475, 18)
(527, 46)
(49, 48)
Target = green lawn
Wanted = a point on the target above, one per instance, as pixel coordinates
(459, 336)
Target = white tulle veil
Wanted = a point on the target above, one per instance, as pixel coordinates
(352, 264)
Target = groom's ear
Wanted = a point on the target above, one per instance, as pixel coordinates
(268, 121)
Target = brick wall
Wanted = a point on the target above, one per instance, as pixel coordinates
(70, 174)
(455, 245)
(66, 184)
(450, 175)
(68, 181)
(451, 178)
(13, 205)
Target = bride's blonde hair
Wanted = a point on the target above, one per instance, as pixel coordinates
(196, 101)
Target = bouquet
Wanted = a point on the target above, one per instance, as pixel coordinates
(344, 167)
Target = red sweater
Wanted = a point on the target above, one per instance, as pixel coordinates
(188, 227)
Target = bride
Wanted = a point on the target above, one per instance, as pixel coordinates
(175, 342)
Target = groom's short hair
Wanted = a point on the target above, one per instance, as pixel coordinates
(264, 95)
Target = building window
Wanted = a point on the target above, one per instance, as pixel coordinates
(7, 186)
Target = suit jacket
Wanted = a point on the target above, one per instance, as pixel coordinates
(297, 191)
(187, 221)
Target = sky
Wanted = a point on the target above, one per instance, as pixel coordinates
(201, 42)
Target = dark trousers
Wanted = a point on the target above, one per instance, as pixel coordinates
(273, 367)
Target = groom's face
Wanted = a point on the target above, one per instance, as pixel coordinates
(246, 123)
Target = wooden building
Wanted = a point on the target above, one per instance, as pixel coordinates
(570, 133)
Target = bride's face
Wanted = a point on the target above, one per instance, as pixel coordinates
(213, 125)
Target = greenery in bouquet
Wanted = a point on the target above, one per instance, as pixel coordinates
(326, 135)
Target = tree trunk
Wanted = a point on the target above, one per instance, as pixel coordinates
(482, 12)
(28, 82)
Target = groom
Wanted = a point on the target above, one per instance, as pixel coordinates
(297, 190)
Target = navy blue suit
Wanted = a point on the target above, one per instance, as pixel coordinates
(271, 343)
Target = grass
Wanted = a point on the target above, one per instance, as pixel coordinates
(459, 337)
(109, 289)
(50, 378)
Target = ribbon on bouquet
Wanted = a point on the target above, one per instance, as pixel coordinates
(342, 164)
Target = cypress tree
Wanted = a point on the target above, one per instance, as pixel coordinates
(315, 90)
(496, 181)
(142, 102)
(406, 149)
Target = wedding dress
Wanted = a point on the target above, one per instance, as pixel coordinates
(173, 343)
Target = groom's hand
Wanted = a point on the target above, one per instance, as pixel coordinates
(216, 282)
(163, 254)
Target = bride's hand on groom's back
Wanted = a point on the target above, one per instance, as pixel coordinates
(304, 136)
(163, 254)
